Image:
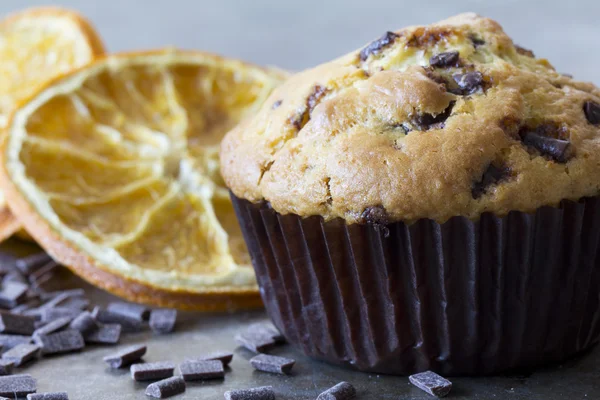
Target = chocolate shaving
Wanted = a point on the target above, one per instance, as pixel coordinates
(376, 46)
(491, 176)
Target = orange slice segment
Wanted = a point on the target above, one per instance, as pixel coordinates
(114, 170)
(37, 45)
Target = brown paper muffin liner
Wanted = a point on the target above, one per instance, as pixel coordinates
(460, 298)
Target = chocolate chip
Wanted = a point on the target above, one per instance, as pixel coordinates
(201, 370)
(431, 383)
(491, 176)
(163, 320)
(166, 388)
(14, 323)
(12, 294)
(468, 82)
(104, 334)
(21, 354)
(224, 356)
(524, 52)
(48, 396)
(152, 371)
(17, 385)
(276, 104)
(259, 393)
(84, 323)
(447, 59)
(376, 46)
(476, 41)
(557, 149)
(126, 356)
(273, 364)
(341, 391)
(60, 342)
(425, 122)
(592, 112)
(135, 311)
(53, 326)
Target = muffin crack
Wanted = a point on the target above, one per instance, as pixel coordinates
(300, 119)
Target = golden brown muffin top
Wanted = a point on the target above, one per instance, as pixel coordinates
(426, 122)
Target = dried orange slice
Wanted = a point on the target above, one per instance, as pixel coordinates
(36, 45)
(114, 170)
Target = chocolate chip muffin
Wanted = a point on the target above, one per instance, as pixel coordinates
(429, 201)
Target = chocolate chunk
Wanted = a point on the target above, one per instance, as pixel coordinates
(447, 59)
(224, 356)
(60, 342)
(6, 367)
(425, 122)
(259, 393)
(524, 52)
(128, 324)
(163, 320)
(50, 314)
(12, 294)
(53, 326)
(468, 82)
(15, 276)
(76, 303)
(273, 364)
(64, 294)
(135, 311)
(46, 270)
(22, 353)
(104, 334)
(201, 370)
(476, 41)
(28, 265)
(376, 46)
(341, 391)
(17, 385)
(491, 176)
(14, 323)
(152, 371)
(126, 356)
(10, 341)
(431, 383)
(276, 104)
(592, 112)
(259, 337)
(557, 149)
(166, 388)
(48, 396)
(84, 323)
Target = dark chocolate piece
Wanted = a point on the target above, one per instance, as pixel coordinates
(447, 59)
(259, 393)
(28, 265)
(259, 337)
(201, 370)
(591, 110)
(152, 371)
(224, 356)
(431, 383)
(50, 314)
(273, 364)
(166, 388)
(476, 41)
(468, 82)
(63, 293)
(557, 149)
(60, 342)
(10, 341)
(163, 320)
(341, 391)
(425, 121)
(15, 276)
(6, 367)
(48, 396)
(276, 104)
(126, 356)
(52, 326)
(21, 354)
(376, 46)
(128, 324)
(77, 303)
(15, 323)
(104, 334)
(17, 385)
(524, 52)
(12, 294)
(491, 176)
(84, 323)
(135, 311)
(46, 270)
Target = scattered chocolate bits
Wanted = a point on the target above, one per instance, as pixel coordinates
(135, 311)
(84, 323)
(21, 354)
(104, 334)
(446, 59)
(259, 337)
(6, 367)
(128, 324)
(126, 356)
(52, 326)
(431, 383)
(12, 293)
(224, 356)
(48, 396)
(341, 391)
(201, 370)
(28, 265)
(163, 320)
(14, 323)
(166, 388)
(259, 393)
(557, 149)
(592, 112)
(60, 342)
(376, 46)
(524, 52)
(273, 364)
(52, 313)
(45, 271)
(10, 341)
(152, 371)
(468, 82)
(17, 385)
(62, 294)
(491, 176)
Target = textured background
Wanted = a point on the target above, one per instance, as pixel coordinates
(299, 34)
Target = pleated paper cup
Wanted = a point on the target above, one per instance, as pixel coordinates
(460, 298)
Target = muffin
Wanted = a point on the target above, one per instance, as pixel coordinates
(429, 201)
